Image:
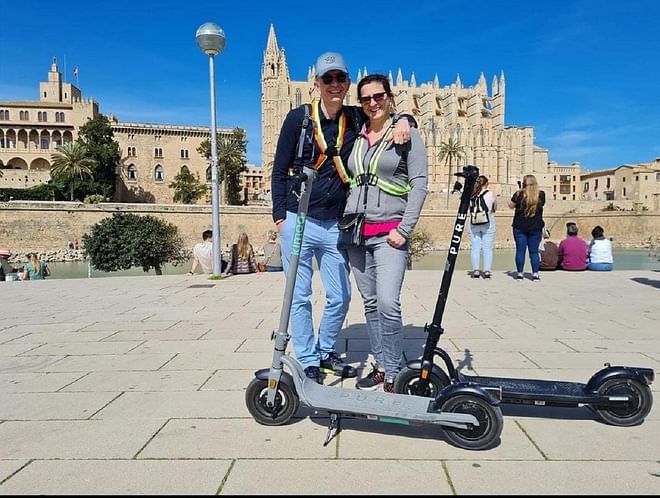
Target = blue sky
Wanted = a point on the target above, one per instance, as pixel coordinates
(585, 73)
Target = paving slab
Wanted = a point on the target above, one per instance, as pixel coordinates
(143, 392)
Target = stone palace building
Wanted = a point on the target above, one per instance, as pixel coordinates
(151, 154)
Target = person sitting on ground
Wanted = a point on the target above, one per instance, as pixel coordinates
(203, 254)
(272, 253)
(5, 267)
(549, 253)
(600, 251)
(242, 257)
(573, 250)
(35, 269)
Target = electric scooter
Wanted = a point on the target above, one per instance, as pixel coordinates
(619, 395)
(469, 415)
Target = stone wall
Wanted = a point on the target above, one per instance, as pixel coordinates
(49, 226)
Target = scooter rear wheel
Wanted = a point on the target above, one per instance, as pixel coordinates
(286, 403)
(481, 437)
(407, 382)
(630, 413)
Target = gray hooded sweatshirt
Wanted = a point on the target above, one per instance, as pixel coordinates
(398, 164)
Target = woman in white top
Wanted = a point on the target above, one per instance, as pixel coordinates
(600, 251)
(482, 234)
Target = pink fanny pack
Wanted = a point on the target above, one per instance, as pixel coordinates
(373, 229)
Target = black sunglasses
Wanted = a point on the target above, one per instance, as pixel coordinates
(339, 78)
(378, 97)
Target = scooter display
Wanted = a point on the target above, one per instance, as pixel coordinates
(468, 414)
(619, 395)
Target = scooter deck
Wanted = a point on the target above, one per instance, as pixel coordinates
(535, 391)
(387, 407)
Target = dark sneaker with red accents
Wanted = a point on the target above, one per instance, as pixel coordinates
(371, 381)
(388, 387)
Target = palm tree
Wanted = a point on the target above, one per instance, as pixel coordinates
(450, 151)
(71, 162)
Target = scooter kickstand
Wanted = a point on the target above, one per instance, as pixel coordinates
(334, 425)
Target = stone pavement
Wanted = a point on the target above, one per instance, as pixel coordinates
(135, 385)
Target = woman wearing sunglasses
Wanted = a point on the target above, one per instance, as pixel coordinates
(389, 186)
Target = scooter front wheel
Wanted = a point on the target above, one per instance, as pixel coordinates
(285, 406)
(481, 437)
(408, 382)
(631, 412)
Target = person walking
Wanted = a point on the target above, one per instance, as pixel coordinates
(600, 251)
(573, 251)
(482, 227)
(528, 224)
(388, 190)
(326, 145)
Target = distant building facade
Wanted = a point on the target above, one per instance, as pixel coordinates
(151, 154)
(472, 115)
(639, 183)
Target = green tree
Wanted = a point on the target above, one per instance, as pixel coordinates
(97, 136)
(72, 164)
(450, 151)
(231, 152)
(419, 245)
(188, 188)
(126, 240)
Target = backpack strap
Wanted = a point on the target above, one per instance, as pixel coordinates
(303, 130)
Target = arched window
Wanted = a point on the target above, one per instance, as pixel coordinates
(131, 172)
(298, 97)
(184, 168)
(159, 173)
(184, 153)
(158, 152)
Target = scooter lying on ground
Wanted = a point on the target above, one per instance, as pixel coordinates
(619, 395)
(469, 415)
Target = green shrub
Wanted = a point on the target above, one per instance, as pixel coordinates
(126, 240)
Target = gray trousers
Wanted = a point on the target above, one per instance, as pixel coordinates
(379, 269)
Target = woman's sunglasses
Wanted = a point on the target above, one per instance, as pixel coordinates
(339, 78)
(378, 98)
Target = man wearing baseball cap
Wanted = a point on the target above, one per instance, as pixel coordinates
(327, 144)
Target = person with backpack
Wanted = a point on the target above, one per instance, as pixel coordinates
(388, 189)
(482, 227)
(328, 130)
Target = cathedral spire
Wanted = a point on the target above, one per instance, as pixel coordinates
(271, 44)
(436, 81)
(495, 87)
(399, 78)
(413, 81)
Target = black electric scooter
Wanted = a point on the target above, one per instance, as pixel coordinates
(468, 414)
(619, 395)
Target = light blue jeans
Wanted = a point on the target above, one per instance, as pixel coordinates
(482, 237)
(600, 266)
(378, 269)
(320, 241)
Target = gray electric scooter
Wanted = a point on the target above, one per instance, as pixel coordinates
(468, 414)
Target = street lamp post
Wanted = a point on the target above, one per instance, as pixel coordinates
(211, 40)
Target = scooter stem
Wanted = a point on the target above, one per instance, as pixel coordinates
(470, 173)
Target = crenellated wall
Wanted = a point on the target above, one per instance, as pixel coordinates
(48, 226)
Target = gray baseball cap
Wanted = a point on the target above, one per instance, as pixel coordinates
(330, 61)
